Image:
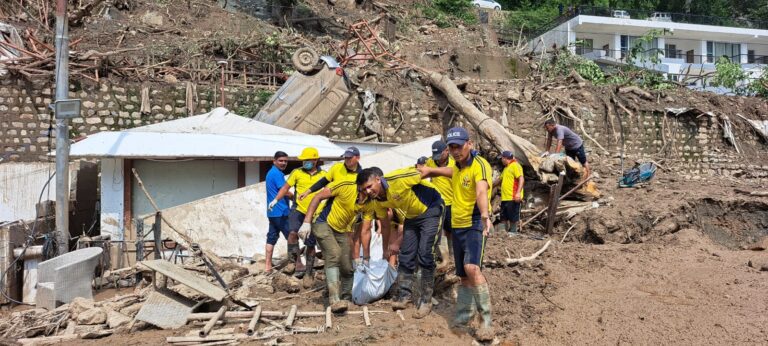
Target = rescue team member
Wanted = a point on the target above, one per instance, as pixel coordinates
(390, 228)
(574, 145)
(332, 228)
(346, 171)
(405, 189)
(512, 181)
(277, 212)
(300, 180)
(472, 186)
(442, 158)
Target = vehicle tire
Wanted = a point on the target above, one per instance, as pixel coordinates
(497, 8)
(305, 59)
(477, 5)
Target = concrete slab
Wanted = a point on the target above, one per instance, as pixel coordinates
(183, 276)
(165, 311)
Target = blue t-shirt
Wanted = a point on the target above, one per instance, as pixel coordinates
(276, 180)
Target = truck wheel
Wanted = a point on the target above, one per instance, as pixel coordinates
(305, 59)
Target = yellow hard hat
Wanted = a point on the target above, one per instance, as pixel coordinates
(309, 153)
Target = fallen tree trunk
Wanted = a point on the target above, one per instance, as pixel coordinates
(525, 151)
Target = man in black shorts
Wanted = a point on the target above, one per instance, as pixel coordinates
(574, 145)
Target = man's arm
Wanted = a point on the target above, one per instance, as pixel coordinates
(481, 194)
(427, 172)
(365, 238)
(559, 146)
(284, 191)
(319, 197)
(520, 182)
(549, 141)
(315, 187)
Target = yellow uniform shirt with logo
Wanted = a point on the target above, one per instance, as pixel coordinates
(443, 184)
(509, 181)
(406, 191)
(301, 180)
(339, 172)
(464, 211)
(341, 209)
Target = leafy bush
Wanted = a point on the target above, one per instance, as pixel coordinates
(730, 75)
(447, 13)
(759, 86)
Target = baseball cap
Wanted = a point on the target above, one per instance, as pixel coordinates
(507, 154)
(351, 151)
(437, 149)
(457, 135)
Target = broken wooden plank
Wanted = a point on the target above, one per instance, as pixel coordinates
(273, 314)
(328, 322)
(366, 317)
(188, 279)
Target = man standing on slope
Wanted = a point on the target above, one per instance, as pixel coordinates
(471, 224)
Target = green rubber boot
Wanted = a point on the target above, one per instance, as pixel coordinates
(485, 332)
(334, 287)
(465, 306)
(309, 276)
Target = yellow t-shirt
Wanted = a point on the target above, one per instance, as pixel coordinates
(464, 211)
(509, 181)
(301, 180)
(443, 184)
(374, 210)
(406, 191)
(341, 209)
(339, 172)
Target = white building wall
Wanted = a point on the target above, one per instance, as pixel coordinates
(558, 36)
(173, 183)
(252, 174)
(112, 194)
(20, 186)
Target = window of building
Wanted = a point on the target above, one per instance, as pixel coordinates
(716, 50)
(583, 46)
(670, 51)
(750, 57)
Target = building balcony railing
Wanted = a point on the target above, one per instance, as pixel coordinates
(676, 57)
(669, 17)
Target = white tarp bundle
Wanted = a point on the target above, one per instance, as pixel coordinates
(10, 36)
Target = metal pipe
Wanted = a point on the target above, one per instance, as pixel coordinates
(62, 129)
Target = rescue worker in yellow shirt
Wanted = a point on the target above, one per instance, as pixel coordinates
(472, 183)
(390, 227)
(333, 230)
(346, 171)
(300, 180)
(405, 189)
(511, 183)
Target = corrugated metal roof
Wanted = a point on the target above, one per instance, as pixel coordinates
(217, 134)
(218, 121)
(159, 145)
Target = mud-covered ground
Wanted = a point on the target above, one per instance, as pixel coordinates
(672, 282)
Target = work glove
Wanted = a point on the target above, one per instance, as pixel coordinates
(272, 205)
(357, 263)
(304, 231)
(545, 154)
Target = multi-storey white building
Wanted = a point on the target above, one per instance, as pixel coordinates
(688, 48)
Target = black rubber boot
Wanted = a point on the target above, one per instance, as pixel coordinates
(405, 286)
(293, 254)
(427, 289)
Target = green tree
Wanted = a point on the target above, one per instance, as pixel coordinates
(730, 75)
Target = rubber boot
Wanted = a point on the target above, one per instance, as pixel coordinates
(309, 276)
(334, 288)
(293, 253)
(465, 306)
(346, 288)
(512, 229)
(404, 295)
(485, 332)
(427, 289)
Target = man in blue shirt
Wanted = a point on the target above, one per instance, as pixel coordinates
(278, 214)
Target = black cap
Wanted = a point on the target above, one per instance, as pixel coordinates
(422, 160)
(437, 149)
(507, 154)
(351, 151)
(457, 135)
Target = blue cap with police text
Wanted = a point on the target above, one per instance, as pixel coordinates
(457, 135)
(507, 154)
